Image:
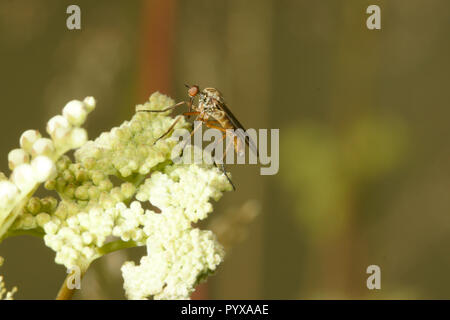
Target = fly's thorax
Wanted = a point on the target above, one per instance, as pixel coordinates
(213, 111)
(213, 94)
(211, 98)
(210, 102)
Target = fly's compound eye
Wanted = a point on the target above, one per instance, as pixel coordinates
(193, 91)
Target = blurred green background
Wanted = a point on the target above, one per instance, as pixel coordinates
(364, 137)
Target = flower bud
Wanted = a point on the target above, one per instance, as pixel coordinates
(23, 177)
(43, 168)
(8, 192)
(28, 138)
(43, 147)
(89, 103)
(78, 137)
(58, 127)
(17, 157)
(75, 112)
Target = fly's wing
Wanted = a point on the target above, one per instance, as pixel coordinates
(252, 146)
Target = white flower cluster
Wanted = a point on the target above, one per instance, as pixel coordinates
(5, 294)
(94, 213)
(173, 266)
(34, 162)
(130, 149)
(179, 256)
(78, 239)
(187, 189)
(78, 236)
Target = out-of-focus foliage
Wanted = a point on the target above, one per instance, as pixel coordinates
(363, 117)
(326, 168)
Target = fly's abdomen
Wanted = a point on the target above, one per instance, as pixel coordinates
(225, 122)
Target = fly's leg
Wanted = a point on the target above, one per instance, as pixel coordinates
(222, 166)
(168, 108)
(190, 103)
(168, 130)
(174, 123)
(230, 144)
(237, 143)
(212, 122)
(199, 117)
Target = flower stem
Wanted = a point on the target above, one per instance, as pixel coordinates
(116, 245)
(64, 292)
(37, 232)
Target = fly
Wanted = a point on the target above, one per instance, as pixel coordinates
(213, 113)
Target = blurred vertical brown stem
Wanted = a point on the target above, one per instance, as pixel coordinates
(156, 47)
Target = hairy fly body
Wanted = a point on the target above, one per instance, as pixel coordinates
(212, 111)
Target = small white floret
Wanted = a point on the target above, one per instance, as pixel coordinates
(89, 103)
(23, 177)
(57, 122)
(43, 146)
(28, 138)
(78, 137)
(17, 157)
(75, 112)
(43, 168)
(8, 192)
